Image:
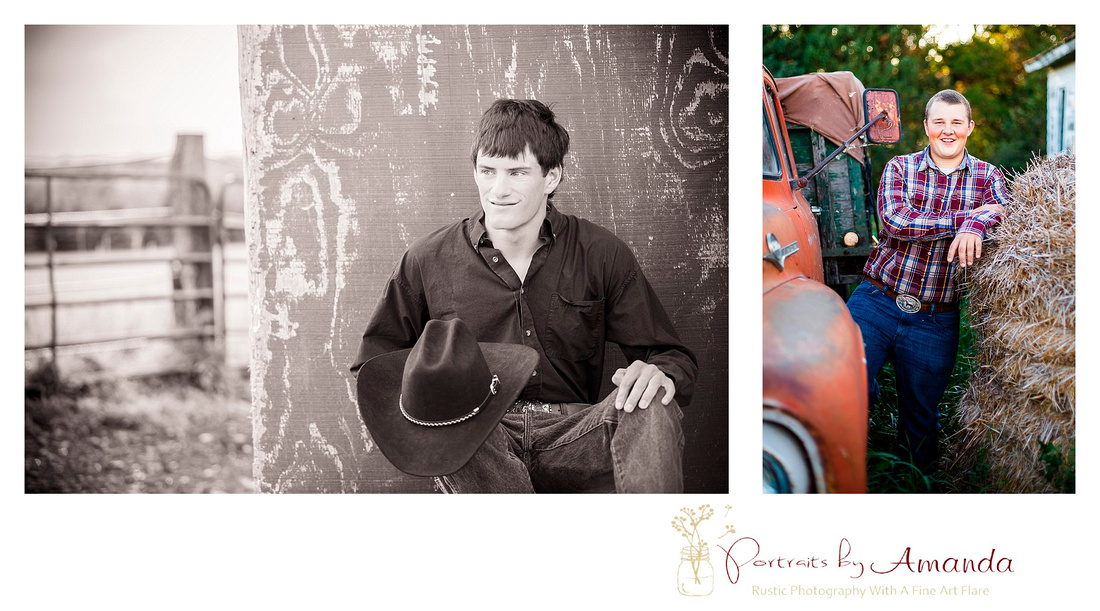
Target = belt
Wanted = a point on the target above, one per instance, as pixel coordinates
(910, 304)
(523, 405)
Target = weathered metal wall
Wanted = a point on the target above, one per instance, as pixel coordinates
(358, 143)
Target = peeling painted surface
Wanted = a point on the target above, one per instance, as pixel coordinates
(425, 68)
(357, 143)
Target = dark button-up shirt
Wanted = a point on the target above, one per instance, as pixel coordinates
(583, 288)
(922, 209)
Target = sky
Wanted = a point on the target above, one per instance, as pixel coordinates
(948, 34)
(120, 92)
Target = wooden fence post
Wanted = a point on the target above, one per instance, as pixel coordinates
(188, 170)
(51, 246)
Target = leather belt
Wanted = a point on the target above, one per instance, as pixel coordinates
(523, 405)
(910, 304)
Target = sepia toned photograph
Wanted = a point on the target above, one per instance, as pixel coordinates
(136, 312)
(441, 259)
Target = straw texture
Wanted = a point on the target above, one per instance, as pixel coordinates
(1023, 307)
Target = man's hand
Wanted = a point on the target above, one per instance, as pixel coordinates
(638, 384)
(969, 247)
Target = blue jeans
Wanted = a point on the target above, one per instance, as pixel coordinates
(596, 449)
(922, 347)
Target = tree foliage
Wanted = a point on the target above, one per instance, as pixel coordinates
(1009, 105)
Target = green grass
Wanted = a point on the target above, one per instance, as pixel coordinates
(1061, 468)
(887, 473)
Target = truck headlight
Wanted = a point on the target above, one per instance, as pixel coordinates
(776, 480)
(791, 461)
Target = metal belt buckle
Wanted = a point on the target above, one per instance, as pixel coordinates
(908, 304)
(524, 405)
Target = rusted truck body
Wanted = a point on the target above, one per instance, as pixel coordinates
(815, 380)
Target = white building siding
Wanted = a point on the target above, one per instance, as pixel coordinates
(1061, 109)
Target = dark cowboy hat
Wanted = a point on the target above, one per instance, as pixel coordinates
(429, 408)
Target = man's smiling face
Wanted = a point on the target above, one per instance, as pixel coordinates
(947, 127)
(513, 190)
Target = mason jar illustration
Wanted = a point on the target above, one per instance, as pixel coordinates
(695, 577)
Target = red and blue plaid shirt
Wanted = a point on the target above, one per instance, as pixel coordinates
(921, 210)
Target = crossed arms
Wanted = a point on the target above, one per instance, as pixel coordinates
(915, 207)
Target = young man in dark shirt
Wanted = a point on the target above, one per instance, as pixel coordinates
(522, 272)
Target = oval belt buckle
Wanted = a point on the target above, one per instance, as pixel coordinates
(908, 304)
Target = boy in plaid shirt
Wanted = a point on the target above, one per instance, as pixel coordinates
(936, 206)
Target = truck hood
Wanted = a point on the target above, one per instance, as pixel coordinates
(779, 239)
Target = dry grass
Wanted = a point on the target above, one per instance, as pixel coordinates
(1021, 396)
(152, 435)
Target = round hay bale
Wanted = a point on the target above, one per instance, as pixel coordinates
(1022, 292)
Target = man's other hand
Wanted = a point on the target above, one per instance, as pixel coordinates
(999, 209)
(968, 246)
(638, 384)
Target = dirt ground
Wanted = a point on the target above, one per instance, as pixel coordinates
(153, 435)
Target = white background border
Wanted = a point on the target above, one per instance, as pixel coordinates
(373, 551)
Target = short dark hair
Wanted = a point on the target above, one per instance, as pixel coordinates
(508, 127)
(949, 96)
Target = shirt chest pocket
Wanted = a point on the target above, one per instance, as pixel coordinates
(574, 329)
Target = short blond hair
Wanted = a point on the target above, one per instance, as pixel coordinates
(948, 96)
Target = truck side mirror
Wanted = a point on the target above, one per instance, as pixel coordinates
(882, 103)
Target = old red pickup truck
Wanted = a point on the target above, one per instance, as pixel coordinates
(815, 381)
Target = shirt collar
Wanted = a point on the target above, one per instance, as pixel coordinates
(926, 162)
(551, 226)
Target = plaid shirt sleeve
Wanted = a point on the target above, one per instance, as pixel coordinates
(904, 222)
(993, 193)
